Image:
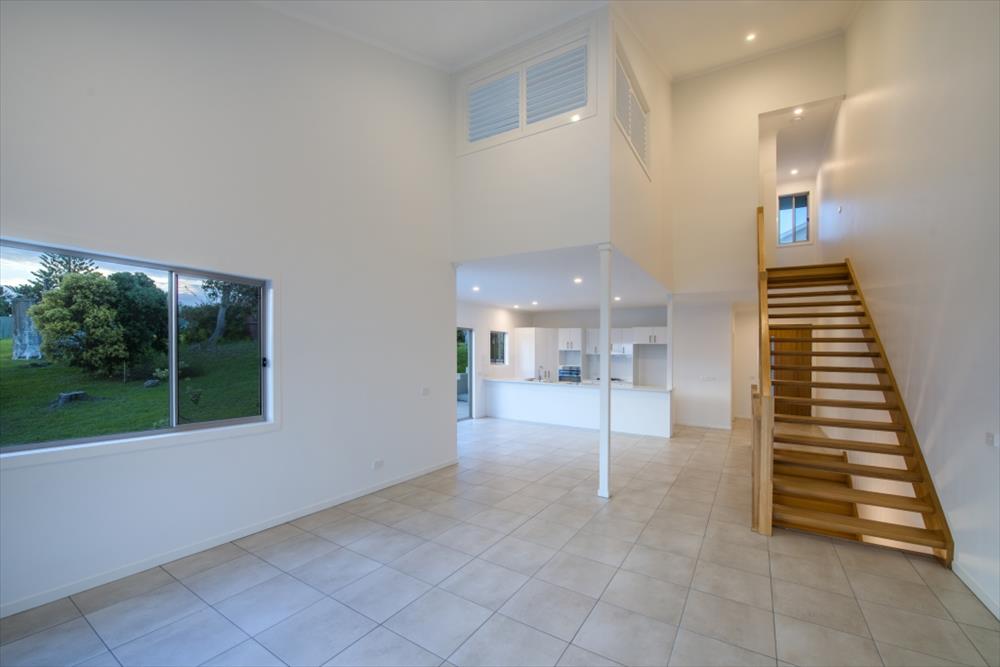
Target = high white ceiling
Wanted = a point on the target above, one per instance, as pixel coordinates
(547, 277)
(691, 36)
(447, 34)
(801, 143)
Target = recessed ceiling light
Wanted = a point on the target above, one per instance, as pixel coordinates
(578, 280)
(794, 172)
(618, 298)
(798, 111)
(751, 36)
(516, 306)
(534, 303)
(575, 117)
(475, 288)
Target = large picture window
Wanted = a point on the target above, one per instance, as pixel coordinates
(93, 347)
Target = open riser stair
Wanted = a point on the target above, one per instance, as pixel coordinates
(835, 452)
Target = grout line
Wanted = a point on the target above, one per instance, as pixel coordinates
(94, 630)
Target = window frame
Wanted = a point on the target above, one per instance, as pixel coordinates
(506, 348)
(519, 61)
(621, 60)
(173, 272)
(777, 219)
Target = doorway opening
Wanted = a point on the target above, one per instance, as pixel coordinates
(463, 405)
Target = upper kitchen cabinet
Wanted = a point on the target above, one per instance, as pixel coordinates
(571, 340)
(621, 341)
(649, 335)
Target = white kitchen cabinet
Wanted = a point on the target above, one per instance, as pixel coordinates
(593, 341)
(570, 339)
(649, 335)
(621, 341)
(536, 353)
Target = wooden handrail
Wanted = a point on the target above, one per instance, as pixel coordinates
(762, 401)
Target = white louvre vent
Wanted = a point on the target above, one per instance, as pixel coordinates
(631, 116)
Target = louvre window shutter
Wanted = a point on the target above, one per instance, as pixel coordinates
(557, 85)
(494, 107)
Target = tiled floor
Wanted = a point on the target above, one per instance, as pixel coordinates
(509, 558)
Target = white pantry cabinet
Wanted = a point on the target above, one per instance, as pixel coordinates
(570, 339)
(535, 353)
(649, 335)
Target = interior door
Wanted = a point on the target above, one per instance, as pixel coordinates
(805, 346)
(464, 374)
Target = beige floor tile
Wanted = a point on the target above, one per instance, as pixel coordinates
(897, 656)
(986, 641)
(921, 633)
(242, 655)
(430, 562)
(655, 598)
(203, 560)
(390, 512)
(518, 555)
(501, 521)
(545, 533)
(674, 521)
(484, 583)
(427, 525)
(228, 579)
(874, 560)
(139, 615)
(726, 553)
(29, 622)
(65, 644)
(597, 547)
(965, 607)
(105, 659)
(552, 609)
(469, 539)
(660, 565)
(728, 582)
(739, 535)
(622, 509)
(362, 504)
(694, 650)
(735, 623)
(808, 645)
(260, 607)
(315, 634)
(268, 537)
(384, 648)
(189, 641)
(382, 593)
(686, 506)
(335, 570)
(935, 575)
(817, 573)
(458, 508)
(571, 517)
(386, 544)
(504, 641)
(898, 593)
(439, 621)
(682, 544)
(523, 504)
(820, 607)
(579, 574)
(296, 551)
(347, 530)
(800, 545)
(625, 636)
(111, 593)
(574, 656)
(618, 529)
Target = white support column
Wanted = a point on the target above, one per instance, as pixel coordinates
(670, 362)
(604, 441)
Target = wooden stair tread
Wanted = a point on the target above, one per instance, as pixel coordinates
(853, 313)
(838, 423)
(837, 443)
(825, 353)
(826, 282)
(790, 465)
(779, 327)
(811, 304)
(793, 486)
(837, 403)
(830, 292)
(826, 369)
(853, 386)
(817, 339)
(795, 517)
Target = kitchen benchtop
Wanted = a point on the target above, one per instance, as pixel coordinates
(585, 384)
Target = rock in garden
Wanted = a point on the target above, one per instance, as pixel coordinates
(69, 396)
(151, 382)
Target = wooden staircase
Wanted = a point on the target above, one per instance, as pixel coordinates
(834, 450)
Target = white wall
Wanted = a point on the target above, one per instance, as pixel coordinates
(915, 167)
(703, 351)
(640, 220)
(715, 156)
(544, 191)
(482, 320)
(647, 316)
(746, 331)
(224, 136)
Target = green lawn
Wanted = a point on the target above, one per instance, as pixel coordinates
(224, 381)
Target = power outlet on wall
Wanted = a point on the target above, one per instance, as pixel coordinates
(991, 440)
(377, 463)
